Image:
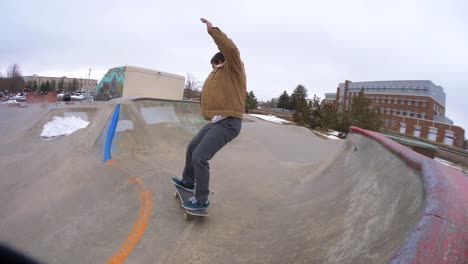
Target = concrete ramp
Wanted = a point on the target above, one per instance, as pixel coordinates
(282, 195)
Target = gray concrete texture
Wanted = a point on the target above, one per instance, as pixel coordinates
(282, 194)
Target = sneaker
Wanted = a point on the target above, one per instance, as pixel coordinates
(179, 183)
(192, 204)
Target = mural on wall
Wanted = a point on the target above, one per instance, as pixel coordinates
(111, 85)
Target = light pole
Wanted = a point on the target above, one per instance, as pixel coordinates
(86, 87)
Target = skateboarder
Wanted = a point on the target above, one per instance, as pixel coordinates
(222, 103)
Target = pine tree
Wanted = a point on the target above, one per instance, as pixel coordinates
(53, 86)
(298, 94)
(361, 115)
(250, 102)
(302, 112)
(47, 86)
(42, 87)
(61, 85)
(316, 112)
(283, 101)
(330, 115)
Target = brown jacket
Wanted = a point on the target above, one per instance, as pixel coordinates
(224, 90)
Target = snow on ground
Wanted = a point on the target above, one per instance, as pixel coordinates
(61, 126)
(271, 118)
(77, 97)
(334, 133)
(328, 136)
(10, 102)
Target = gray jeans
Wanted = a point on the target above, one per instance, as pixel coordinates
(202, 148)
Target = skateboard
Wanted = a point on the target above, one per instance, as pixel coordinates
(184, 195)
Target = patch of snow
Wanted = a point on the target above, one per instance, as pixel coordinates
(334, 133)
(61, 126)
(11, 101)
(271, 118)
(328, 136)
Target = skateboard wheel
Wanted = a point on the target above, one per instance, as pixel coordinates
(186, 216)
(176, 195)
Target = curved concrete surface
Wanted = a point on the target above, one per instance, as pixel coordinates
(282, 195)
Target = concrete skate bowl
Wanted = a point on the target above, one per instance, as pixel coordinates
(370, 201)
(282, 195)
(377, 202)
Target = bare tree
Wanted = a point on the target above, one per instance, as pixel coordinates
(191, 89)
(14, 71)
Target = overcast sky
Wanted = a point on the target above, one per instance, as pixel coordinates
(282, 43)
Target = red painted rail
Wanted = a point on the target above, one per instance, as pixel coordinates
(441, 234)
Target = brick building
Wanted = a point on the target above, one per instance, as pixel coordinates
(416, 108)
(69, 84)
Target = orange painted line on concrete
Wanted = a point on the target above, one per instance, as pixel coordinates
(146, 206)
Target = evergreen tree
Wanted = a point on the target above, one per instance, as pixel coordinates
(361, 115)
(53, 86)
(315, 112)
(42, 87)
(61, 85)
(250, 102)
(330, 115)
(302, 112)
(299, 93)
(47, 86)
(283, 101)
(35, 86)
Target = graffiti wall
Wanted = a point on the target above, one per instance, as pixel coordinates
(111, 85)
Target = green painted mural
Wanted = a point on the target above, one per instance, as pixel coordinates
(111, 85)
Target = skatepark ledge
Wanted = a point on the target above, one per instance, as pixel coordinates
(440, 235)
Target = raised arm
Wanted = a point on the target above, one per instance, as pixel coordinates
(225, 45)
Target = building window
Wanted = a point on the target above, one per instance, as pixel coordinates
(376, 99)
(432, 135)
(402, 128)
(394, 111)
(393, 123)
(381, 110)
(417, 131)
(389, 100)
(416, 103)
(386, 122)
(416, 114)
(395, 100)
(424, 103)
(409, 102)
(388, 111)
(402, 101)
(408, 113)
(449, 136)
(423, 115)
(401, 111)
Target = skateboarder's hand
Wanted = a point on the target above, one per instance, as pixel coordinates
(208, 23)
